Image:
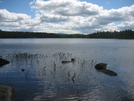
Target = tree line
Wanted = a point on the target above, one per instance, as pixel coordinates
(126, 34)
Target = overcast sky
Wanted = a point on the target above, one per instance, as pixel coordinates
(66, 16)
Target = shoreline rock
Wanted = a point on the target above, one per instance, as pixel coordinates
(3, 62)
(7, 93)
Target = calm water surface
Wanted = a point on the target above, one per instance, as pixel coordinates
(46, 79)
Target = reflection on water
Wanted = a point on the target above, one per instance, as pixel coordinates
(46, 79)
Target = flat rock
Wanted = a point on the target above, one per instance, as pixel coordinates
(7, 93)
(108, 72)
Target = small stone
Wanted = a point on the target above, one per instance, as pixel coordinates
(23, 70)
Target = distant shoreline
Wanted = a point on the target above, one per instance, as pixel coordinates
(126, 34)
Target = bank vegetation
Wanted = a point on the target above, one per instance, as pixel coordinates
(125, 34)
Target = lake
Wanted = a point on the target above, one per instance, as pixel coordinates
(47, 79)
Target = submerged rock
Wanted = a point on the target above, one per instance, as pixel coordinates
(108, 72)
(7, 93)
(72, 60)
(23, 70)
(3, 62)
(101, 66)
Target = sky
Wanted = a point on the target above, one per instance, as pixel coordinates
(66, 16)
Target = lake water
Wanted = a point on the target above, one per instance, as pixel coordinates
(46, 79)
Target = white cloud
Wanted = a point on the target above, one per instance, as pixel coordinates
(53, 18)
(67, 7)
(126, 25)
(8, 16)
(9, 24)
(69, 16)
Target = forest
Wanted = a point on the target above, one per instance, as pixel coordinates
(125, 34)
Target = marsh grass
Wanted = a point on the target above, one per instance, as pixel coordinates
(42, 65)
(50, 64)
(49, 71)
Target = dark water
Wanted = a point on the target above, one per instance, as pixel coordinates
(46, 79)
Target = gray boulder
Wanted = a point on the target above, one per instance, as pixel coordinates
(7, 93)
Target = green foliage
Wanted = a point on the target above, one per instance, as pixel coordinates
(126, 34)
